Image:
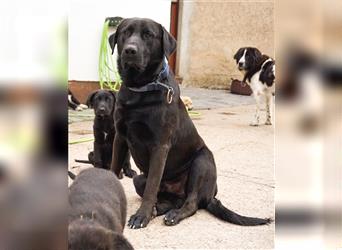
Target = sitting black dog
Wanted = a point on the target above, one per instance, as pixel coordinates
(97, 214)
(103, 102)
(179, 172)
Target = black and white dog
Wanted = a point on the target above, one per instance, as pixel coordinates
(74, 103)
(259, 73)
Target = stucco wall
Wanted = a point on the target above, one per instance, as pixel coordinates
(211, 32)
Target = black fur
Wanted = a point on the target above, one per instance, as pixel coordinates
(216, 208)
(103, 102)
(73, 103)
(97, 213)
(238, 54)
(267, 75)
(179, 172)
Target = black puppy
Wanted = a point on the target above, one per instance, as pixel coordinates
(103, 102)
(152, 122)
(97, 214)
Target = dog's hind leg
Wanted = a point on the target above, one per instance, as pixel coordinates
(201, 188)
(127, 168)
(119, 154)
(164, 206)
(166, 201)
(255, 122)
(269, 98)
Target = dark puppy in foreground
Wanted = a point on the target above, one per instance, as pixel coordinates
(179, 172)
(97, 212)
(103, 102)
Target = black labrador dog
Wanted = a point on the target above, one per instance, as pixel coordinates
(179, 172)
(97, 215)
(103, 102)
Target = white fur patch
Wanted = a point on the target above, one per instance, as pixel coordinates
(243, 57)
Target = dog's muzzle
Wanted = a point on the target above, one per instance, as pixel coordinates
(241, 66)
(102, 112)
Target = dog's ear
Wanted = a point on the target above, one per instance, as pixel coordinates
(238, 54)
(169, 42)
(120, 242)
(256, 55)
(113, 93)
(90, 100)
(113, 40)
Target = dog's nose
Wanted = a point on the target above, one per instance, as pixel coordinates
(131, 50)
(240, 64)
(102, 108)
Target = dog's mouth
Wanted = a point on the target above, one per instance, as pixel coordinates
(130, 63)
(133, 65)
(102, 114)
(242, 68)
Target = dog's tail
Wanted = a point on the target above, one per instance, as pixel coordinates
(216, 208)
(71, 175)
(83, 161)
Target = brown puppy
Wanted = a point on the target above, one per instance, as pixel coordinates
(98, 212)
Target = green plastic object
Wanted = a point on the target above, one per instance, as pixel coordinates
(108, 74)
(80, 141)
(114, 21)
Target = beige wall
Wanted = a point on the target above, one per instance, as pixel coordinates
(210, 32)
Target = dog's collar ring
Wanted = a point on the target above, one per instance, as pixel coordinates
(169, 95)
(88, 216)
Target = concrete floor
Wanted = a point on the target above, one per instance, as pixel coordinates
(244, 158)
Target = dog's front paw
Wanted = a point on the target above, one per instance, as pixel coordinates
(172, 217)
(79, 108)
(139, 220)
(83, 106)
(130, 172)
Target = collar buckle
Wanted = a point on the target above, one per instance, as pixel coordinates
(169, 95)
(87, 216)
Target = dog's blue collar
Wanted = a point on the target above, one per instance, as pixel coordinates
(164, 73)
(157, 84)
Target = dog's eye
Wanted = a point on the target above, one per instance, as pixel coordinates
(147, 34)
(127, 32)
